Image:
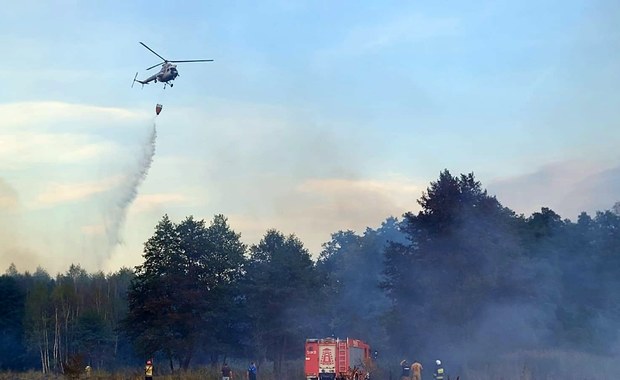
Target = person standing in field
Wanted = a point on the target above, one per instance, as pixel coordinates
(148, 370)
(438, 374)
(405, 373)
(252, 371)
(416, 368)
(226, 372)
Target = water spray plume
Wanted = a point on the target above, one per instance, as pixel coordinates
(129, 189)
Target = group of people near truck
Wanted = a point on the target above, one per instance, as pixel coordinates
(414, 371)
(408, 371)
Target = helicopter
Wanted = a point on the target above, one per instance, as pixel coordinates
(168, 70)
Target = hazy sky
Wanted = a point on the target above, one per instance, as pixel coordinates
(315, 116)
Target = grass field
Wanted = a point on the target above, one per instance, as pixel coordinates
(292, 370)
(527, 365)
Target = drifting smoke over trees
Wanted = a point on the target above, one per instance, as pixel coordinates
(476, 280)
(463, 278)
(352, 266)
(458, 259)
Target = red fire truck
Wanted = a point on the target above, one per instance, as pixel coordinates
(337, 359)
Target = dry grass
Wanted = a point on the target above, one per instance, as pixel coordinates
(545, 365)
(526, 365)
(292, 371)
(121, 375)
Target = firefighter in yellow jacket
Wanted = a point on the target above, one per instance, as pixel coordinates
(148, 370)
(438, 374)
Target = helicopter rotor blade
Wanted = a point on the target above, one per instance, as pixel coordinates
(194, 60)
(153, 51)
(152, 67)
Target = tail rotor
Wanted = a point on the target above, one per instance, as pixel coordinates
(134, 81)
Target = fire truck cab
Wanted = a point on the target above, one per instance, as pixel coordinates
(337, 359)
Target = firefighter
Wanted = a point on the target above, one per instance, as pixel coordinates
(416, 368)
(148, 370)
(252, 372)
(405, 370)
(226, 372)
(438, 375)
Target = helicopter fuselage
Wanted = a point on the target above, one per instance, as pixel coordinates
(167, 73)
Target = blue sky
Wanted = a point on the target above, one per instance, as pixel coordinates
(315, 116)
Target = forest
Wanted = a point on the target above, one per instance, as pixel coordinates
(465, 279)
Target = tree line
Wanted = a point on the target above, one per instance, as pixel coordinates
(461, 278)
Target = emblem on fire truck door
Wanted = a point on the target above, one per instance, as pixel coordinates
(327, 359)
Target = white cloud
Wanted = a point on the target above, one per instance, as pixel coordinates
(42, 114)
(56, 193)
(146, 202)
(50, 132)
(316, 208)
(392, 188)
(20, 149)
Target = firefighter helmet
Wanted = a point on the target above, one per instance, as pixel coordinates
(438, 362)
